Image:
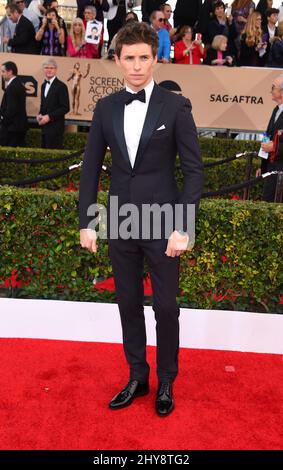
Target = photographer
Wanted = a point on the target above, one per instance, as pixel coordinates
(51, 35)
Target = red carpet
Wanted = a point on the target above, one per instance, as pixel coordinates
(54, 395)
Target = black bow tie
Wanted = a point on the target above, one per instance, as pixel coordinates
(134, 96)
(47, 81)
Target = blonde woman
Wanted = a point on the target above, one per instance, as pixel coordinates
(217, 54)
(252, 47)
(76, 44)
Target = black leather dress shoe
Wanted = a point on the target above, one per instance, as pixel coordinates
(164, 402)
(132, 390)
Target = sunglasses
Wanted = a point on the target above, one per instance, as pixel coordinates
(20, 1)
(161, 20)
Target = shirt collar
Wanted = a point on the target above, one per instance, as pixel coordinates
(51, 80)
(148, 90)
(280, 107)
(10, 81)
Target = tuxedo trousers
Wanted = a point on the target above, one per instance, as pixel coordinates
(12, 138)
(52, 140)
(127, 257)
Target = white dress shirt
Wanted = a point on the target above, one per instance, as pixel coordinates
(10, 81)
(271, 32)
(48, 85)
(134, 117)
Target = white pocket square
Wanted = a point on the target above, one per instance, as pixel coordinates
(161, 128)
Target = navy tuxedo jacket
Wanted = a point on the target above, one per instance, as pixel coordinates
(56, 105)
(152, 178)
(13, 107)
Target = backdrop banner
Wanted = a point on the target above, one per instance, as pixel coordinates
(222, 97)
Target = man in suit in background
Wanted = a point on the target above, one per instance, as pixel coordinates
(23, 41)
(145, 127)
(275, 124)
(13, 114)
(53, 107)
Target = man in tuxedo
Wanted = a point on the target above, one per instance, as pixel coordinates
(269, 31)
(145, 127)
(13, 114)
(53, 107)
(275, 124)
(23, 41)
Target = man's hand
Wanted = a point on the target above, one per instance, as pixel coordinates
(38, 118)
(177, 244)
(258, 172)
(267, 146)
(88, 239)
(44, 120)
(5, 40)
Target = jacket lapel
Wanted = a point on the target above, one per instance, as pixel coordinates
(153, 111)
(52, 88)
(271, 124)
(118, 125)
(279, 122)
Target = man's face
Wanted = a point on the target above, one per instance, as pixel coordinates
(49, 71)
(6, 74)
(12, 16)
(88, 15)
(219, 12)
(276, 91)
(167, 11)
(136, 62)
(21, 4)
(273, 18)
(158, 22)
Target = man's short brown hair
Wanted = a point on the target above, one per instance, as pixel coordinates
(136, 33)
(13, 7)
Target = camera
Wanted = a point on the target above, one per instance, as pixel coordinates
(49, 20)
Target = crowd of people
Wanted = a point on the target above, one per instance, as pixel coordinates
(208, 32)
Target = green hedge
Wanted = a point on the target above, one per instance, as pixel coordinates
(72, 140)
(216, 177)
(216, 147)
(236, 263)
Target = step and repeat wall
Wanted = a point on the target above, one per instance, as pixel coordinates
(222, 97)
